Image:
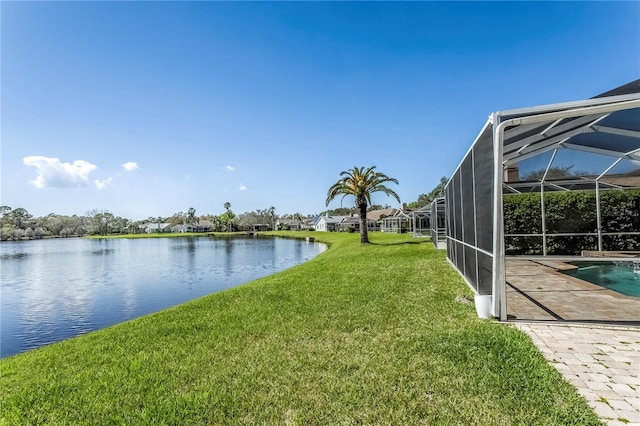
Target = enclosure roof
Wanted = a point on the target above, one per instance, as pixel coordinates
(426, 208)
(607, 124)
(573, 184)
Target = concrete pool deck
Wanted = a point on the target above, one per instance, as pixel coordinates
(591, 335)
(537, 290)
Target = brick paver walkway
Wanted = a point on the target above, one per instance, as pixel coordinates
(566, 318)
(603, 363)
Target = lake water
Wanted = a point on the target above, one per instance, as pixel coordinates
(55, 289)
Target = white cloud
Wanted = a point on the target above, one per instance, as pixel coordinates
(130, 165)
(229, 168)
(100, 184)
(242, 187)
(52, 173)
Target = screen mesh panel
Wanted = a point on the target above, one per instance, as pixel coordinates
(460, 257)
(457, 213)
(483, 175)
(470, 265)
(468, 204)
(434, 223)
(529, 245)
(469, 210)
(485, 273)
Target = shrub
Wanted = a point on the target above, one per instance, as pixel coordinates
(571, 212)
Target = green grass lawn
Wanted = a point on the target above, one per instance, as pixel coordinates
(373, 334)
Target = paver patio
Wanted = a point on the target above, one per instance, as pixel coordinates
(538, 291)
(591, 335)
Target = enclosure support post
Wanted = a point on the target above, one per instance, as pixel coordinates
(544, 222)
(598, 215)
(499, 308)
(598, 206)
(542, 209)
(434, 216)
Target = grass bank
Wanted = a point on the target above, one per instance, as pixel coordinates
(359, 335)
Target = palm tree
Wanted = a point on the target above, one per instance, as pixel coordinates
(438, 191)
(228, 216)
(298, 218)
(190, 218)
(272, 213)
(361, 183)
(217, 223)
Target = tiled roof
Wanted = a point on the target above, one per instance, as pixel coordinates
(332, 219)
(376, 214)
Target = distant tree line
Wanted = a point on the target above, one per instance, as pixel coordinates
(555, 172)
(19, 224)
(352, 211)
(425, 199)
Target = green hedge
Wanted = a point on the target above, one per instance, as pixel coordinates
(571, 212)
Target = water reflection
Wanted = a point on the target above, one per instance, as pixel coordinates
(55, 289)
(228, 259)
(183, 244)
(13, 256)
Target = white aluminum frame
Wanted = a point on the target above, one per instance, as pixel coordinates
(554, 136)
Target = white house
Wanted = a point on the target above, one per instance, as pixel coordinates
(157, 228)
(328, 223)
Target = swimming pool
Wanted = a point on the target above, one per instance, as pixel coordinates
(621, 277)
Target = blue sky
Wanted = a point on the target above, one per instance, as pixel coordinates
(149, 108)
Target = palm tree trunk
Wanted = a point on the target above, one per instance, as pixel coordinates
(364, 232)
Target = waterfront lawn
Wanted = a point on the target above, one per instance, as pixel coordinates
(373, 334)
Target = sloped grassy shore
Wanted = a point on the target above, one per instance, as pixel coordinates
(359, 335)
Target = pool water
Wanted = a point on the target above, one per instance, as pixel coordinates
(616, 276)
